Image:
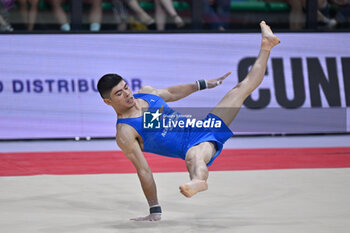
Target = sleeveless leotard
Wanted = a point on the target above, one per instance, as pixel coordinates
(177, 141)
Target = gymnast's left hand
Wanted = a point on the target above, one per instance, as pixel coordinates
(151, 217)
(217, 81)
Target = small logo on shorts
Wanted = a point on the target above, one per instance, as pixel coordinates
(151, 120)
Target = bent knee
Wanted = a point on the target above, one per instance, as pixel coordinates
(201, 154)
(192, 157)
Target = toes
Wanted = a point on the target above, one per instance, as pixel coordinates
(185, 192)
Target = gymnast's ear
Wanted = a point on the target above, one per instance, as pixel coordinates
(107, 101)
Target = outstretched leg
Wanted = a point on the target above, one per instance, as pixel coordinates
(196, 161)
(229, 106)
(198, 156)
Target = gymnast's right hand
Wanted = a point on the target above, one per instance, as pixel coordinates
(151, 217)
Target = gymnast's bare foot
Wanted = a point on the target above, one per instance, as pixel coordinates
(269, 40)
(194, 186)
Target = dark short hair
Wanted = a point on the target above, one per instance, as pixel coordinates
(106, 84)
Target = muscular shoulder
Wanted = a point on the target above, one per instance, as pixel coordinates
(148, 90)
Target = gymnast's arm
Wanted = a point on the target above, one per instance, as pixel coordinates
(178, 92)
(126, 140)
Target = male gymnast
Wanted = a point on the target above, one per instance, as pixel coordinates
(198, 148)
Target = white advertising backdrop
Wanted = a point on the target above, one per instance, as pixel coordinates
(48, 82)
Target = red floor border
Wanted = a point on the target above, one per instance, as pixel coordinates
(101, 162)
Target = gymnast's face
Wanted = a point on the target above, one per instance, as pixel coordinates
(121, 98)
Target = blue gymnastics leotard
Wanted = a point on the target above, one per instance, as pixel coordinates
(176, 142)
